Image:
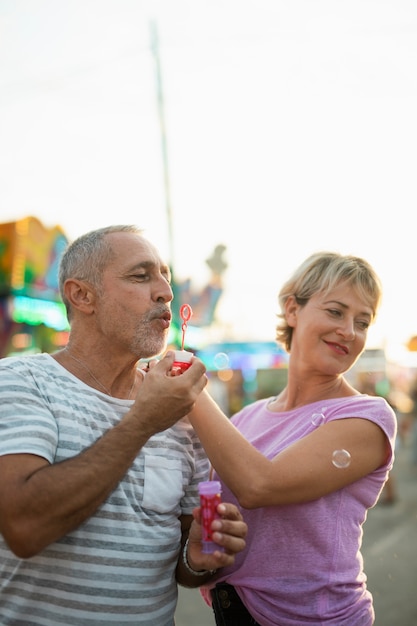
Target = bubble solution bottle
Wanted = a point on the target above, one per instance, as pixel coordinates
(209, 499)
(182, 361)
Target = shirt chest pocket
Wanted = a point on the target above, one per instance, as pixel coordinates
(162, 489)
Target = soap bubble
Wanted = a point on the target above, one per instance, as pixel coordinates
(318, 419)
(341, 458)
(221, 361)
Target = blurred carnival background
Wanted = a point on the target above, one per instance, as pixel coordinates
(241, 136)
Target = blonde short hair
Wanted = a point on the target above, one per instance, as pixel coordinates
(320, 273)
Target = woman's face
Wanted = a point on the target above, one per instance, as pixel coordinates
(330, 331)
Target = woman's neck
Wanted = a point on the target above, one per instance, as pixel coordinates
(300, 393)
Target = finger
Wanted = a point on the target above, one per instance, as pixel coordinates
(229, 511)
(231, 544)
(168, 359)
(197, 367)
(231, 528)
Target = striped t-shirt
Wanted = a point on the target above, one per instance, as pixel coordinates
(118, 567)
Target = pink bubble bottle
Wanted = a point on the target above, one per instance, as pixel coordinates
(209, 499)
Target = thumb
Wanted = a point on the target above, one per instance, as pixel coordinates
(167, 360)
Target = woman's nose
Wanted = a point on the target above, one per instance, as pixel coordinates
(347, 329)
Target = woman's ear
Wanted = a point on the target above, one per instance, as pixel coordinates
(80, 295)
(291, 310)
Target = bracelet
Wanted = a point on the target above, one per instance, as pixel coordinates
(188, 566)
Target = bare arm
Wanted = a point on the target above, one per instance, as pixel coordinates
(40, 503)
(302, 472)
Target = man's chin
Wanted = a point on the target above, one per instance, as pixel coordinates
(154, 350)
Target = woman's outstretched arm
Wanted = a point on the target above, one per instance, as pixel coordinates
(302, 472)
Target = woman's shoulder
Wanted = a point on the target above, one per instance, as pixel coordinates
(374, 408)
(361, 402)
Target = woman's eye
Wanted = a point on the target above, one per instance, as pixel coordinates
(334, 312)
(363, 325)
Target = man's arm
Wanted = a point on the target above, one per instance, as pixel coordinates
(39, 502)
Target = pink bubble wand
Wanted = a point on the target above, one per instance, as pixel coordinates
(183, 358)
(185, 314)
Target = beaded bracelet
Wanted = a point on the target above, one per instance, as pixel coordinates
(188, 566)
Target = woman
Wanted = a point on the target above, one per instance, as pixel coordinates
(306, 464)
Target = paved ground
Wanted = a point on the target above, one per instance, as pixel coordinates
(390, 554)
(390, 550)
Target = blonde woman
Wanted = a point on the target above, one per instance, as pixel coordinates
(307, 464)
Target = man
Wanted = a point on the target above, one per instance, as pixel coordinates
(98, 470)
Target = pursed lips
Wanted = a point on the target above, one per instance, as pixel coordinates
(164, 318)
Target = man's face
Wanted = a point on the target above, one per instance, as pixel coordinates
(133, 306)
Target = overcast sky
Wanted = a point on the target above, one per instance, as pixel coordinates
(290, 127)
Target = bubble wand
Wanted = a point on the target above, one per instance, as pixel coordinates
(183, 358)
(185, 314)
(210, 491)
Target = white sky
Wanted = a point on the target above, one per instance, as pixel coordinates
(291, 127)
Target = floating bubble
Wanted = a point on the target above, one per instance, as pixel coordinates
(341, 458)
(318, 419)
(221, 361)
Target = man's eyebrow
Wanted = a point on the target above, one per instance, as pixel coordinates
(143, 265)
(163, 268)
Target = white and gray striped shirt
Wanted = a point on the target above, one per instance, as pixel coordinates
(118, 566)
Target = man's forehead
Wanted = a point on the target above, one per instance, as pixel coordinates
(137, 251)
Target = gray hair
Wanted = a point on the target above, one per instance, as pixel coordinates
(87, 257)
(320, 273)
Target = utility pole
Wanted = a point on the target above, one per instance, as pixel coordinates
(164, 146)
(162, 127)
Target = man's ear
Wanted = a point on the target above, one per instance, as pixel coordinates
(80, 294)
(291, 309)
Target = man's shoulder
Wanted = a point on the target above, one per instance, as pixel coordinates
(22, 360)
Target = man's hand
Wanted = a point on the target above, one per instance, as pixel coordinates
(163, 399)
(229, 531)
